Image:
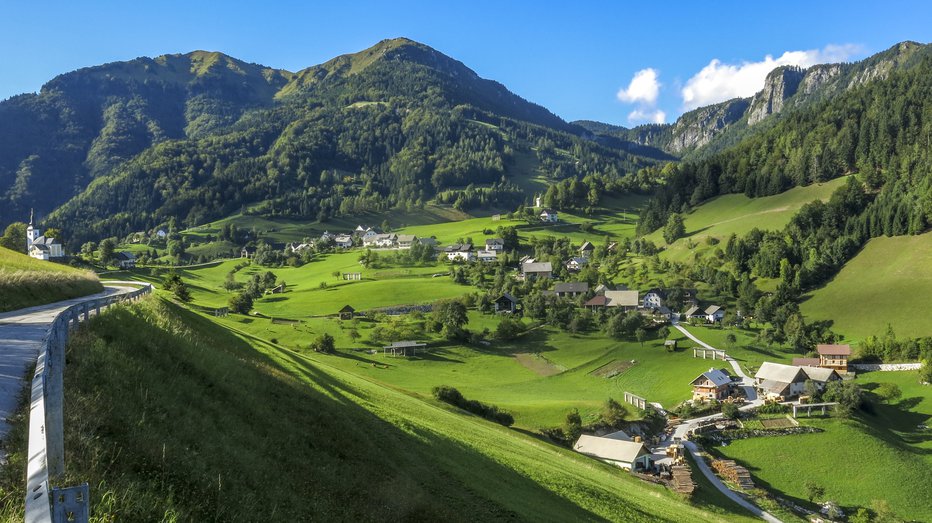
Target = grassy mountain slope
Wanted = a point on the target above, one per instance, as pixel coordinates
(173, 417)
(887, 283)
(25, 281)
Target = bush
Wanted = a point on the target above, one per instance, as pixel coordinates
(324, 343)
(450, 395)
(240, 303)
(772, 408)
(730, 410)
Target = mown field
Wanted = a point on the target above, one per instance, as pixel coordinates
(887, 283)
(174, 418)
(723, 216)
(25, 281)
(878, 455)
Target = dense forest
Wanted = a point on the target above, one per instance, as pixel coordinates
(391, 127)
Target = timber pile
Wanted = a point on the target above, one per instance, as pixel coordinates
(682, 480)
(731, 471)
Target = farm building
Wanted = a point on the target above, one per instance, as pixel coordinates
(654, 298)
(487, 256)
(506, 303)
(125, 260)
(343, 241)
(347, 312)
(576, 264)
(247, 252)
(834, 356)
(789, 380)
(457, 252)
(586, 250)
(576, 288)
(548, 216)
(713, 384)
(495, 244)
(714, 313)
(597, 302)
(405, 241)
(627, 300)
(628, 455)
(403, 348)
(535, 270)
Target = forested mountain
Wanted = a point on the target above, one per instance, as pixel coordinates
(708, 130)
(196, 137)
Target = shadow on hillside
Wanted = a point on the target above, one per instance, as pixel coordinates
(313, 436)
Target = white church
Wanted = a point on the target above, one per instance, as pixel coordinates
(40, 247)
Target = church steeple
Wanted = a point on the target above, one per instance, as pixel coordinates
(31, 213)
(31, 232)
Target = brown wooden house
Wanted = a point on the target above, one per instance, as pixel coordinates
(834, 357)
(713, 384)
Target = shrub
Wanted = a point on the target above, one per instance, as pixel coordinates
(730, 410)
(240, 303)
(323, 343)
(772, 408)
(450, 395)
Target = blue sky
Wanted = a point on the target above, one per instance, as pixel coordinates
(572, 59)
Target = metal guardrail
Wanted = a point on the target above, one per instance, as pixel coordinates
(46, 462)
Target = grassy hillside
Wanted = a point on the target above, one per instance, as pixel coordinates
(173, 418)
(25, 281)
(737, 214)
(881, 455)
(886, 283)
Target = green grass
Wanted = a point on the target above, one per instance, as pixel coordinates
(737, 214)
(171, 417)
(888, 282)
(880, 454)
(25, 281)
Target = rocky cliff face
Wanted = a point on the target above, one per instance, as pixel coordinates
(780, 84)
(697, 128)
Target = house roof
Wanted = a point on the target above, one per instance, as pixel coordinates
(622, 298)
(820, 374)
(347, 308)
(659, 292)
(537, 267)
(494, 241)
(40, 246)
(587, 246)
(806, 362)
(406, 238)
(343, 238)
(834, 350)
(780, 373)
(712, 309)
(620, 435)
(125, 256)
(45, 241)
(507, 296)
(597, 301)
(692, 311)
(428, 241)
(776, 387)
(717, 376)
(547, 211)
(456, 247)
(609, 448)
(578, 260)
(405, 344)
(573, 286)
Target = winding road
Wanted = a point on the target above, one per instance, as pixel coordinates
(21, 335)
(682, 430)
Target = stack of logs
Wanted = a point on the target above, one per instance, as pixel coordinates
(731, 471)
(682, 480)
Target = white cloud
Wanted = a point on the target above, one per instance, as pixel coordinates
(647, 115)
(644, 88)
(718, 82)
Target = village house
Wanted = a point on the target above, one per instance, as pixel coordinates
(629, 455)
(596, 302)
(125, 260)
(405, 241)
(627, 300)
(298, 248)
(487, 256)
(571, 289)
(386, 240)
(714, 313)
(654, 298)
(430, 242)
(576, 264)
(506, 303)
(495, 244)
(776, 379)
(834, 357)
(713, 384)
(247, 253)
(548, 216)
(458, 252)
(586, 250)
(343, 241)
(534, 270)
(326, 236)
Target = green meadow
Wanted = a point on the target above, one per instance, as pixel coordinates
(26, 281)
(887, 283)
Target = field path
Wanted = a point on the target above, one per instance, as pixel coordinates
(21, 335)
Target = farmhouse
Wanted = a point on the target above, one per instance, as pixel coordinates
(714, 313)
(713, 384)
(654, 298)
(506, 303)
(597, 302)
(385, 240)
(125, 260)
(534, 270)
(247, 252)
(487, 256)
(627, 300)
(571, 289)
(834, 356)
(548, 216)
(495, 244)
(458, 252)
(693, 313)
(586, 250)
(405, 241)
(789, 380)
(347, 312)
(628, 455)
(343, 241)
(576, 264)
